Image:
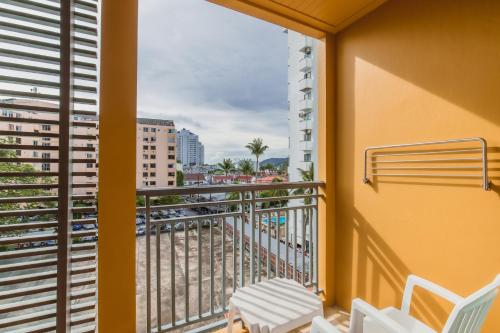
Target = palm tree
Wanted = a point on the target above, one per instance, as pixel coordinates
(226, 166)
(246, 166)
(274, 193)
(307, 176)
(257, 148)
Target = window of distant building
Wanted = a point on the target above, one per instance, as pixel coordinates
(145, 139)
(153, 157)
(19, 128)
(308, 95)
(153, 130)
(170, 183)
(35, 154)
(307, 135)
(45, 139)
(18, 140)
(171, 157)
(90, 165)
(45, 156)
(153, 147)
(171, 130)
(89, 155)
(144, 174)
(152, 183)
(153, 139)
(171, 148)
(45, 144)
(145, 166)
(170, 166)
(45, 166)
(171, 174)
(145, 156)
(307, 157)
(145, 129)
(89, 145)
(45, 127)
(145, 147)
(35, 143)
(307, 75)
(153, 165)
(18, 153)
(152, 174)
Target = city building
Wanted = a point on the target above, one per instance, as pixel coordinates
(190, 151)
(37, 133)
(301, 103)
(156, 164)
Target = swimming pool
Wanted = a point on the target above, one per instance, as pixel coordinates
(265, 220)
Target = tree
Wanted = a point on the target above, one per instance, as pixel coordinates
(179, 178)
(283, 168)
(9, 167)
(246, 167)
(226, 166)
(267, 166)
(274, 193)
(307, 176)
(257, 148)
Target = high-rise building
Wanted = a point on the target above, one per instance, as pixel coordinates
(156, 145)
(302, 103)
(190, 151)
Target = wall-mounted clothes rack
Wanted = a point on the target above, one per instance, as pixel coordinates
(387, 168)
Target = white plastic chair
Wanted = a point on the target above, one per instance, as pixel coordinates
(467, 316)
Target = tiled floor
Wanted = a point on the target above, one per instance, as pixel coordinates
(335, 315)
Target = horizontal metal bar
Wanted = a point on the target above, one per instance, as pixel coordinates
(47, 198)
(27, 239)
(431, 152)
(27, 226)
(430, 168)
(190, 205)
(28, 265)
(14, 254)
(28, 278)
(224, 188)
(278, 209)
(434, 160)
(290, 197)
(27, 291)
(191, 218)
(28, 212)
(27, 304)
(430, 175)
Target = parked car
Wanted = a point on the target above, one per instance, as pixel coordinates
(165, 227)
(77, 227)
(89, 226)
(140, 231)
(139, 221)
(179, 226)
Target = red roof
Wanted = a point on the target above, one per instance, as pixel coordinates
(192, 177)
(269, 179)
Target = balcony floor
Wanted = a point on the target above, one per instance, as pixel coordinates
(335, 315)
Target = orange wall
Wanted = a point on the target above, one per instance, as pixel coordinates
(417, 71)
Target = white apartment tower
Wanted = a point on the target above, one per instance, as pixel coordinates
(301, 103)
(190, 151)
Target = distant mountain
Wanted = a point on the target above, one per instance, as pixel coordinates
(276, 161)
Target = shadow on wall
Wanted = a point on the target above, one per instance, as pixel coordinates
(416, 71)
(386, 266)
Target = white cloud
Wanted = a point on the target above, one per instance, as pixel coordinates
(219, 73)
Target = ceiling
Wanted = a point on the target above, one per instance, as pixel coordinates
(314, 17)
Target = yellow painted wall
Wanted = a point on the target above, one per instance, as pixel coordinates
(416, 71)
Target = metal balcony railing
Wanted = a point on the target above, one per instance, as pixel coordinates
(202, 243)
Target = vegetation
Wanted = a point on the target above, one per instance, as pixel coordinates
(307, 176)
(25, 168)
(257, 148)
(246, 167)
(179, 178)
(226, 166)
(140, 201)
(267, 166)
(274, 193)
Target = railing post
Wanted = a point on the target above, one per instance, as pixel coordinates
(315, 240)
(252, 237)
(148, 263)
(242, 240)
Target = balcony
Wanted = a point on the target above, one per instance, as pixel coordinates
(306, 145)
(305, 125)
(305, 64)
(307, 45)
(228, 236)
(305, 85)
(305, 105)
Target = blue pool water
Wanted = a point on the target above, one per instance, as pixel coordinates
(265, 220)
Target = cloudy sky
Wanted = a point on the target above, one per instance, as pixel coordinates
(216, 72)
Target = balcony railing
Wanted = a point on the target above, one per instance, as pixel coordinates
(305, 84)
(215, 239)
(305, 105)
(305, 64)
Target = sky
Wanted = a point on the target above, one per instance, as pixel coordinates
(216, 72)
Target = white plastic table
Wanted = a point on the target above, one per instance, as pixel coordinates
(274, 306)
